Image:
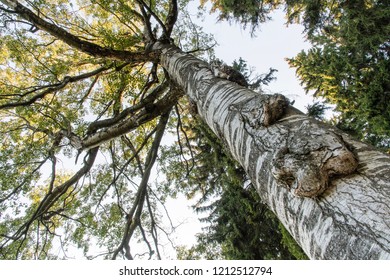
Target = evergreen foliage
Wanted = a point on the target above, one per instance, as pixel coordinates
(247, 12)
(317, 110)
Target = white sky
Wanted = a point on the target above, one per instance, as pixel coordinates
(273, 43)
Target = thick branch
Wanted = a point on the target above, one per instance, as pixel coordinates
(171, 17)
(142, 116)
(76, 42)
(150, 11)
(94, 126)
(148, 32)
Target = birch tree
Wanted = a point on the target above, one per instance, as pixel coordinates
(92, 78)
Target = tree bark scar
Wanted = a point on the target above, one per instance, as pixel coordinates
(311, 157)
(261, 110)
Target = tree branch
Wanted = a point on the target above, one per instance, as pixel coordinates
(96, 125)
(171, 17)
(52, 88)
(76, 42)
(150, 11)
(133, 218)
(144, 115)
(52, 197)
(179, 128)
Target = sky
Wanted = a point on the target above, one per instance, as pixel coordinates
(273, 42)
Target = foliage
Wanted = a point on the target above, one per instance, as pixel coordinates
(349, 66)
(255, 82)
(317, 110)
(248, 12)
(291, 244)
(71, 73)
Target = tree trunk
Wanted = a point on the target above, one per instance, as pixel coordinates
(331, 192)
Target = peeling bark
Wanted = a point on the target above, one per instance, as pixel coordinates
(332, 193)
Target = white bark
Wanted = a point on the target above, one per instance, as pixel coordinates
(332, 193)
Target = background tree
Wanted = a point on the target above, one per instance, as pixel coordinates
(349, 65)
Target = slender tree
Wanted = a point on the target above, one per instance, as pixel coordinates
(87, 79)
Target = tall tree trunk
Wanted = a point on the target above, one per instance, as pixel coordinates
(331, 192)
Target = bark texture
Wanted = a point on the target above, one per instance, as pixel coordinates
(332, 193)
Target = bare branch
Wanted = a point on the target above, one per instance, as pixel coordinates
(133, 218)
(52, 88)
(179, 128)
(153, 229)
(151, 252)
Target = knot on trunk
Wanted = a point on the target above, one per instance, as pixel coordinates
(261, 110)
(310, 158)
(224, 71)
